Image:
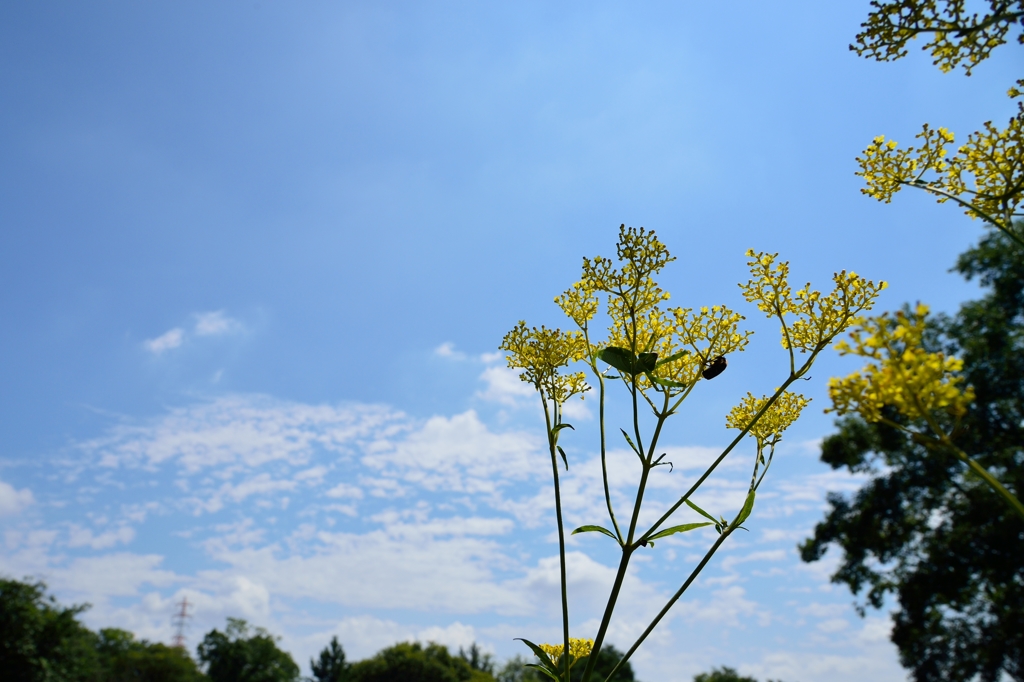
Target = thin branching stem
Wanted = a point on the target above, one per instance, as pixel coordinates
(671, 602)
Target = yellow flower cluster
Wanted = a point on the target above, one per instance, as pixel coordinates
(641, 253)
(902, 375)
(959, 37)
(779, 417)
(886, 168)
(712, 332)
(578, 648)
(818, 318)
(540, 353)
(579, 304)
(637, 322)
(985, 176)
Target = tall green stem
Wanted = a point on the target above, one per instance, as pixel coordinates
(561, 530)
(604, 458)
(629, 546)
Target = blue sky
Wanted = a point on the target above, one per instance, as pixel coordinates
(256, 259)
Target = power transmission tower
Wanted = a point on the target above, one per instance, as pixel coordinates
(180, 620)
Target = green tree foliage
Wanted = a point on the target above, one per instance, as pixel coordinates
(477, 659)
(123, 659)
(332, 666)
(515, 670)
(41, 641)
(413, 662)
(924, 528)
(244, 654)
(723, 674)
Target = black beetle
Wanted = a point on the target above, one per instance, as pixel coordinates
(716, 367)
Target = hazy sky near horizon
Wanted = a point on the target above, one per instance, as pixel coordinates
(256, 260)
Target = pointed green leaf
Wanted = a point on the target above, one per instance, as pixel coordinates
(563, 425)
(700, 511)
(665, 382)
(595, 529)
(748, 506)
(678, 529)
(546, 664)
(629, 440)
(645, 362)
(562, 453)
(672, 358)
(621, 359)
(543, 670)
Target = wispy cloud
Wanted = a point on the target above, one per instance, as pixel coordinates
(12, 501)
(83, 537)
(215, 323)
(505, 387)
(165, 342)
(447, 350)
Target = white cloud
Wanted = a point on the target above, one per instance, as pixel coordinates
(165, 342)
(98, 578)
(215, 323)
(458, 454)
(12, 501)
(424, 570)
(505, 387)
(261, 484)
(447, 350)
(345, 490)
(246, 431)
(83, 537)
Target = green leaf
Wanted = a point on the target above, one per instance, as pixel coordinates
(621, 359)
(543, 670)
(700, 511)
(677, 529)
(672, 358)
(595, 529)
(558, 427)
(630, 441)
(748, 506)
(646, 362)
(562, 453)
(546, 664)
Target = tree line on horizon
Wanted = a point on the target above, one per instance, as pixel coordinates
(43, 641)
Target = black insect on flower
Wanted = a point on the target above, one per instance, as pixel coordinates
(716, 367)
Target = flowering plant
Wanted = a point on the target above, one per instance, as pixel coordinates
(658, 356)
(985, 176)
(902, 376)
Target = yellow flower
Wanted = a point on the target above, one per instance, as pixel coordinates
(985, 176)
(959, 37)
(579, 303)
(712, 332)
(901, 374)
(638, 325)
(818, 318)
(540, 353)
(631, 286)
(578, 648)
(779, 417)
